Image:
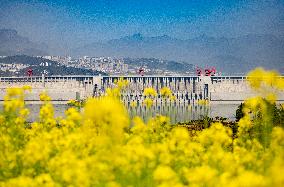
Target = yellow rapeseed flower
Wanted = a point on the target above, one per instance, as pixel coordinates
(165, 92)
(148, 102)
(150, 92)
(164, 173)
(44, 97)
(133, 104)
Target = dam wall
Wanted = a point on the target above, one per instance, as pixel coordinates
(186, 89)
(59, 88)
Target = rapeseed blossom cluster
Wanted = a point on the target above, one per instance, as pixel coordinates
(100, 145)
(167, 93)
(266, 82)
(75, 103)
(203, 102)
(150, 94)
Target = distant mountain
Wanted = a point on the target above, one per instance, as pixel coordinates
(229, 55)
(11, 43)
(38, 65)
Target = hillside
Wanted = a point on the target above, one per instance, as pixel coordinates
(166, 65)
(22, 63)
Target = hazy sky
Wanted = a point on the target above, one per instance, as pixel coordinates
(68, 24)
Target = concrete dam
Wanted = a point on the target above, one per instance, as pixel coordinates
(186, 89)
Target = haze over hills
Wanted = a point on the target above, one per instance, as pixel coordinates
(11, 43)
(229, 55)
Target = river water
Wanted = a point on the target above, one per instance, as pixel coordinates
(177, 113)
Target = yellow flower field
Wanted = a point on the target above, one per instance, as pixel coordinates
(100, 145)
